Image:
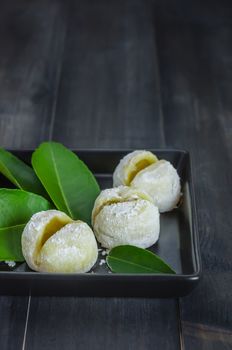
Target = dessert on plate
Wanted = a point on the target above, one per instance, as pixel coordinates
(143, 170)
(125, 215)
(53, 242)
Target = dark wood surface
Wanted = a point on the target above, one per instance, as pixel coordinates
(117, 74)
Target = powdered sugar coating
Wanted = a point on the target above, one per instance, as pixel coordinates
(161, 181)
(115, 195)
(127, 164)
(73, 249)
(10, 263)
(67, 247)
(34, 231)
(131, 219)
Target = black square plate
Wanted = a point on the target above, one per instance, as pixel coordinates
(178, 245)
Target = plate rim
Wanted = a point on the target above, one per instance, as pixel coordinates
(195, 276)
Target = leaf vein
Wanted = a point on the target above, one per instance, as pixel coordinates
(132, 263)
(10, 227)
(59, 183)
(13, 179)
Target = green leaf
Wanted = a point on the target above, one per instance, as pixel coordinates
(16, 209)
(131, 259)
(20, 174)
(68, 181)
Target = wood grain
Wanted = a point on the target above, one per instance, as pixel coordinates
(13, 313)
(31, 45)
(195, 67)
(100, 323)
(123, 74)
(31, 38)
(108, 97)
(109, 91)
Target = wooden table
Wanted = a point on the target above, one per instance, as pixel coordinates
(125, 74)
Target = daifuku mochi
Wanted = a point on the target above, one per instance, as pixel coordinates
(53, 242)
(123, 215)
(130, 165)
(161, 182)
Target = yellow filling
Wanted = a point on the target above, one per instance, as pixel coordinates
(110, 202)
(118, 200)
(138, 163)
(54, 225)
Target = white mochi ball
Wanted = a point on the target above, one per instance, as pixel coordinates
(73, 249)
(53, 242)
(125, 215)
(161, 181)
(130, 165)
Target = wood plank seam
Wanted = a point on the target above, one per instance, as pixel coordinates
(53, 113)
(26, 323)
(57, 85)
